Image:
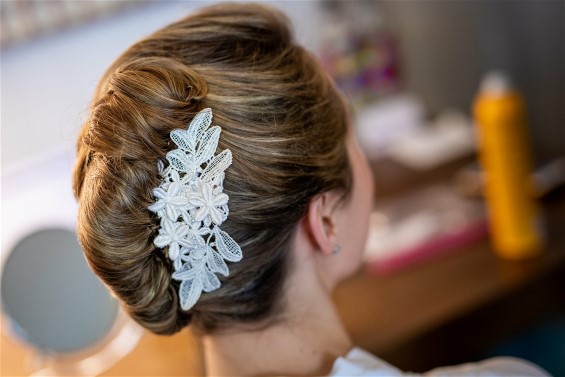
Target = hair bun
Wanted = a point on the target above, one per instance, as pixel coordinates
(159, 81)
(145, 98)
(282, 119)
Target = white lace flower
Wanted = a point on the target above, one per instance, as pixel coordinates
(172, 200)
(208, 202)
(191, 204)
(173, 235)
(197, 233)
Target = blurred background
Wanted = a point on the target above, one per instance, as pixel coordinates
(435, 290)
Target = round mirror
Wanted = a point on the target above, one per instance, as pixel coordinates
(53, 300)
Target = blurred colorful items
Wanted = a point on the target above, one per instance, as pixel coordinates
(396, 128)
(420, 226)
(24, 20)
(358, 50)
(447, 137)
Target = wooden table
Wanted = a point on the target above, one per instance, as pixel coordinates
(177, 355)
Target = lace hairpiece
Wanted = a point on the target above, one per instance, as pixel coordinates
(192, 206)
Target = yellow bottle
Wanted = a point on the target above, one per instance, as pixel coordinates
(514, 215)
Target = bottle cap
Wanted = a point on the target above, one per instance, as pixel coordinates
(496, 83)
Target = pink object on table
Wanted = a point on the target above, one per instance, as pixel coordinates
(440, 245)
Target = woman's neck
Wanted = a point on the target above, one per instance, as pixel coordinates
(306, 342)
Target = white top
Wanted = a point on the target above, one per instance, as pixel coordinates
(359, 362)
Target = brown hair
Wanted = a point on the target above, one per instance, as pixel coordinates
(281, 117)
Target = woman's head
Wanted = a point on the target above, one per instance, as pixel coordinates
(283, 121)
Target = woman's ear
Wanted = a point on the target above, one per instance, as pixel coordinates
(321, 221)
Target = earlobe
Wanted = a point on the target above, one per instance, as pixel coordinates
(321, 223)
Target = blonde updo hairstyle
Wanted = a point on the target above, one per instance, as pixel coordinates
(283, 121)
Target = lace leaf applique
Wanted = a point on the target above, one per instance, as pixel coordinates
(229, 249)
(191, 206)
(216, 263)
(190, 291)
(217, 165)
(207, 146)
(200, 123)
(183, 140)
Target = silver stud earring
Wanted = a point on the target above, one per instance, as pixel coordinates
(337, 249)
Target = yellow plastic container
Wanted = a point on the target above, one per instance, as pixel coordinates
(514, 215)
